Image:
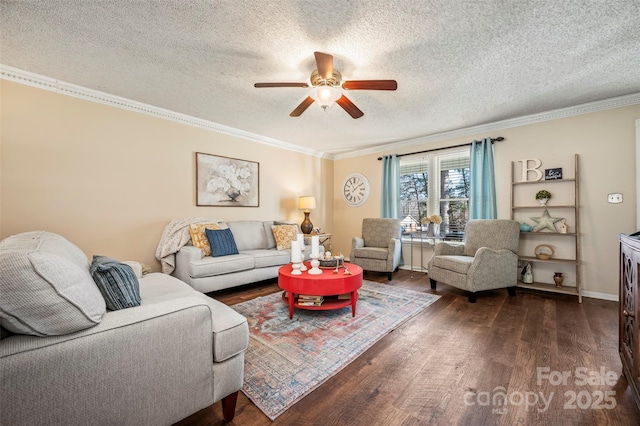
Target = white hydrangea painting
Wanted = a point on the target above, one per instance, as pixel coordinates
(227, 182)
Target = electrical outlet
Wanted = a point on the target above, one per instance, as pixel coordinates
(614, 198)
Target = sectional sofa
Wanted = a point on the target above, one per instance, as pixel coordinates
(66, 360)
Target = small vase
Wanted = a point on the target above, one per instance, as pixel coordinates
(430, 230)
(233, 194)
(543, 201)
(558, 278)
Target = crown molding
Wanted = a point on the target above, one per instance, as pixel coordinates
(596, 106)
(47, 83)
(36, 80)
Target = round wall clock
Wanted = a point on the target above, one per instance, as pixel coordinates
(355, 189)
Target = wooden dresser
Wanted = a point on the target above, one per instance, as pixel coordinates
(629, 313)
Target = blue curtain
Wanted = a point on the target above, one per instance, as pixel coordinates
(390, 200)
(482, 197)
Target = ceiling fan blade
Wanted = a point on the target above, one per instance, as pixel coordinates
(370, 85)
(302, 107)
(324, 62)
(260, 85)
(349, 106)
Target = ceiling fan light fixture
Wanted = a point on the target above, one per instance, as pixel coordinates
(327, 87)
(325, 95)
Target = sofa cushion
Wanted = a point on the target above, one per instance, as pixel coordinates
(116, 281)
(371, 253)
(222, 242)
(268, 258)
(268, 232)
(230, 334)
(210, 266)
(249, 234)
(284, 234)
(46, 286)
(199, 237)
(459, 264)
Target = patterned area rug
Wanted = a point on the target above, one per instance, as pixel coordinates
(287, 359)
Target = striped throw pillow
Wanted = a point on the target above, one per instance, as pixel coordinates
(222, 242)
(116, 281)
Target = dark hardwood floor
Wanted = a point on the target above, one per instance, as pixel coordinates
(457, 363)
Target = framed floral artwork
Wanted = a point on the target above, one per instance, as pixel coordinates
(226, 182)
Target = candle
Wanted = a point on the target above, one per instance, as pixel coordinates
(301, 241)
(315, 246)
(295, 252)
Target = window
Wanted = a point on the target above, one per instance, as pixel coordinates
(436, 183)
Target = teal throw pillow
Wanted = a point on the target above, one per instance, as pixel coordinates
(116, 281)
(222, 242)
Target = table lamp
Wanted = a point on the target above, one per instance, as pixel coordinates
(306, 203)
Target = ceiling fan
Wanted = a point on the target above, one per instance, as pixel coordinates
(326, 84)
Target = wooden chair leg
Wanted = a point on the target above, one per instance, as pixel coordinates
(389, 275)
(471, 297)
(512, 291)
(229, 406)
(434, 283)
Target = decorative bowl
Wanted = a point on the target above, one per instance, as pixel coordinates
(328, 263)
(331, 263)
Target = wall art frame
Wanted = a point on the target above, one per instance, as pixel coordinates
(226, 182)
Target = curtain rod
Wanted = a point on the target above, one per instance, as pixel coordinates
(498, 139)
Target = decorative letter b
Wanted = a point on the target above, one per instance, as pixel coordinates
(526, 169)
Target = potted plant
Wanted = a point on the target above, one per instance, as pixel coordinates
(543, 196)
(430, 224)
(426, 222)
(436, 219)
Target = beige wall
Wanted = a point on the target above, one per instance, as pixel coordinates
(605, 142)
(110, 179)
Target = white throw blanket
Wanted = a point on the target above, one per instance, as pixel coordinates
(174, 237)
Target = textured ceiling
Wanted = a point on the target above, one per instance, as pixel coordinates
(457, 63)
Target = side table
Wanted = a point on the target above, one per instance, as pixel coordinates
(424, 239)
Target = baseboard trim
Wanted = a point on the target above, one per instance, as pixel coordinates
(602, 296)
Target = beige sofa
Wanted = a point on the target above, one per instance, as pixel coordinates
(154, 364)
(258, 258)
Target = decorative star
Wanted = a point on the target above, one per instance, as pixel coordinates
(545, 221)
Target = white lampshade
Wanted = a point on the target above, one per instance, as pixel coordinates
(306, 203)
(325, 96)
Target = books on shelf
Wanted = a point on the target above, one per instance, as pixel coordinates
(308, 300)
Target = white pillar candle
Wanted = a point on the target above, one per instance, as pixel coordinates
(315, 245)
(295, 252)
(301, 241)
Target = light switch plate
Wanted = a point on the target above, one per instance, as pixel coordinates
(614, 198)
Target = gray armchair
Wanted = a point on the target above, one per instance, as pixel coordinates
(487, 259)
(380, 247)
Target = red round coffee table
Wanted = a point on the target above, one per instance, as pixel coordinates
(325, 284)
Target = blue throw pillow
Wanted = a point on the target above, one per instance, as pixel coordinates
(116, 281)
(222, 242)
